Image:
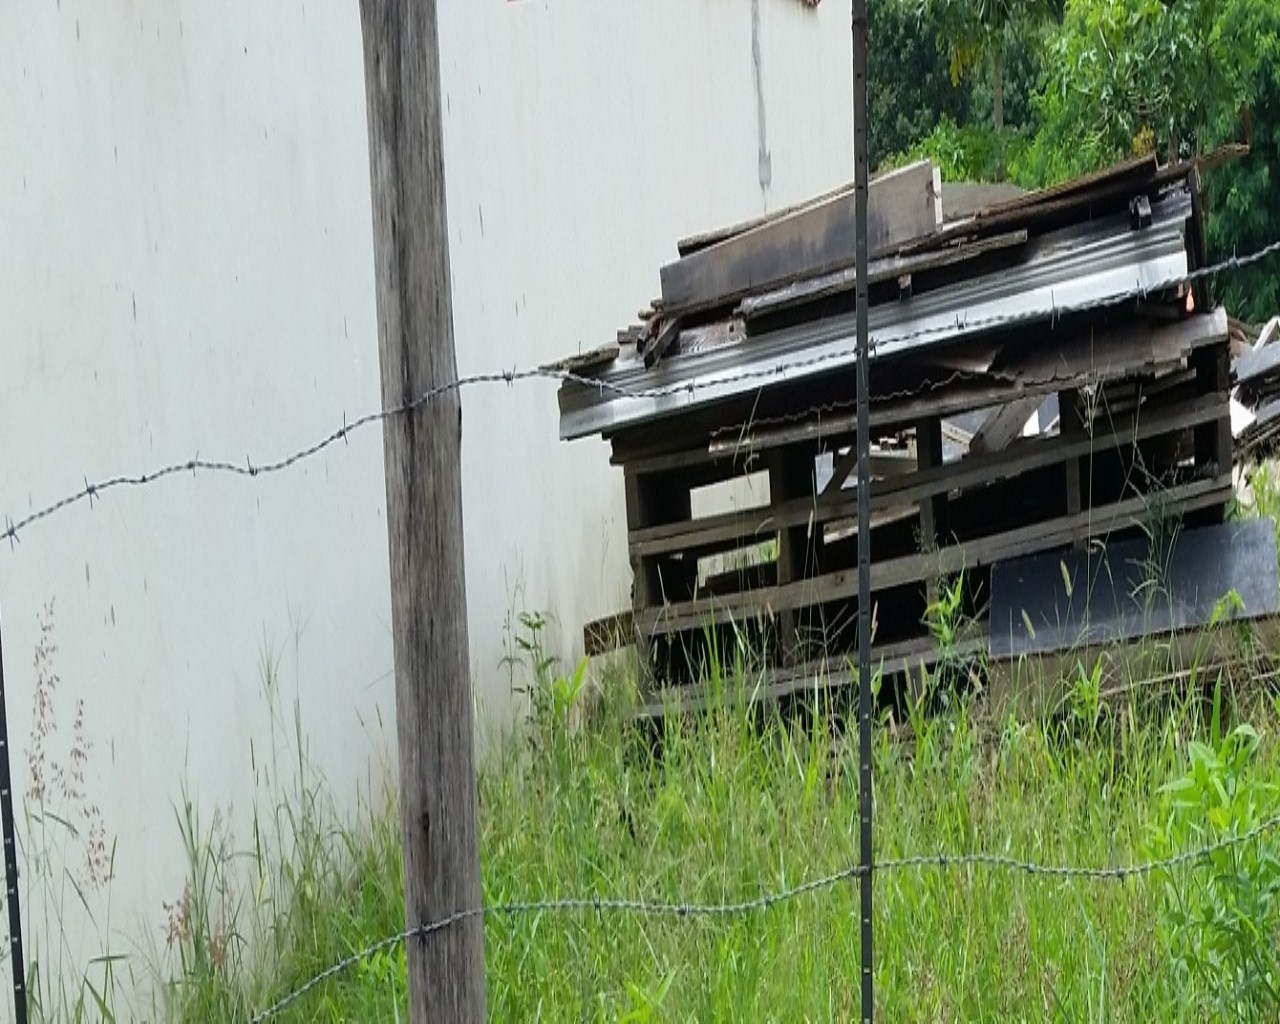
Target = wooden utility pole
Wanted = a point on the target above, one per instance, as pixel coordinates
(422, 450)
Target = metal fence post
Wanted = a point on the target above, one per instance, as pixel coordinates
(18, 965)
(860, 184)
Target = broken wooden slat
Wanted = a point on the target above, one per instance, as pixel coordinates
(1257, 364)
(961, 199)
(662, 340)
(753, 524)
(1004, 424)
(902, 207)
(608, 634)
(956, 435)
(1084, 358)
(1268, 332)
(1111, 188)
(711, 336)
(811, 289)
(586, 361)
(883, 464)
(840, 471)
(891, 659)
(842, 585)
(933, 508)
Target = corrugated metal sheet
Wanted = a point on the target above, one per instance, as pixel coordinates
(1093, 264)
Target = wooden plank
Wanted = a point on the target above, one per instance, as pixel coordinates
(1004, 425)
(1027, 687)
(1108, 189)
(791, 478)
(957, 435)
(1071, 427)
(1030, 687)
(840, 470)
(611, 633)
(933, 507)
(890, 660)
(1214, 442)
(705, 239)
(839, 586)
(601, 356)
(817, 239)
(1130, 173)
(661, 341)
(1256, 364)
(883, 464)
(644, 590)
(822, 286)
(926, 482)
(1026, 370)
(961, 199)
(652, 501)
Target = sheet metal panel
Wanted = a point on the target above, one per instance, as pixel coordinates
(1126, 589)
(1101, 263)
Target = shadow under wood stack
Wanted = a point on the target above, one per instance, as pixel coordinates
(1040, 378)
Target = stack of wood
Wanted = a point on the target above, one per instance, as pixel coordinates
(1255, 404)
(1041, 378)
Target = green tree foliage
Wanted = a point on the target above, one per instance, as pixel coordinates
(909, 87)
(1088, 83)
(980, 33)
(1243, 213)
(1126, 76)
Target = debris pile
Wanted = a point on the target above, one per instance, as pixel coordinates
(1042, 377)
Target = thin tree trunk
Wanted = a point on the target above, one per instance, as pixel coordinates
(997, 88)
(997, 107)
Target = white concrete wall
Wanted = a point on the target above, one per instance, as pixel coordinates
(583, 138)
(186, 267)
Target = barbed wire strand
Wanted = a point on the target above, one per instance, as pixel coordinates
(766, 902)
(13, 527)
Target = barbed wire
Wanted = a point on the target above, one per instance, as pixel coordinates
(766, 902)
(13, 527)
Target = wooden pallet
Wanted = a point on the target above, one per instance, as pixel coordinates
(1145, 433)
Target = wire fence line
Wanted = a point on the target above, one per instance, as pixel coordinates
(690, 911)
(14, 526)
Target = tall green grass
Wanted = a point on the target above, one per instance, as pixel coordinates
(742, 801)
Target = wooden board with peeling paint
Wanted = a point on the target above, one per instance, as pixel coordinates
(903, 206)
